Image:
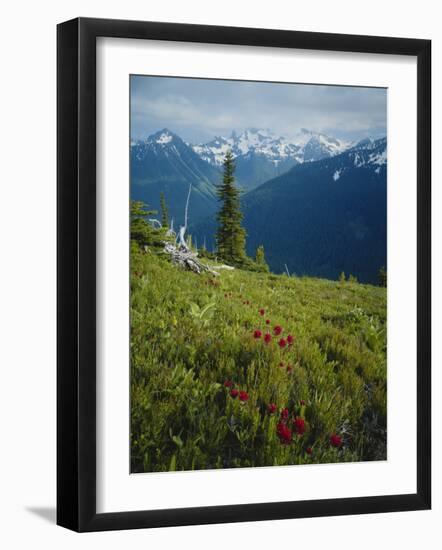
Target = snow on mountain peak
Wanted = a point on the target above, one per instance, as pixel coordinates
(304, 147)
(367, 153)
(164, 138)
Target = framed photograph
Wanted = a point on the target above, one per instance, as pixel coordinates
(243, 274)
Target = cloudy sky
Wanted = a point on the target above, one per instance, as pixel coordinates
(199, 109)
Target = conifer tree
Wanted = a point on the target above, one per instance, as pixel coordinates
(260, 258)
(230, 236)
(164, 211)
(140, 229)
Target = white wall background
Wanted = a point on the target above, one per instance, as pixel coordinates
(27, 272)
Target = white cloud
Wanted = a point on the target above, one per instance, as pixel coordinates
(198, 109)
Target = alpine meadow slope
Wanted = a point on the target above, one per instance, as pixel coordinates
(253, 369)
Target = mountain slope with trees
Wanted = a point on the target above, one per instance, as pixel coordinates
(321, 218)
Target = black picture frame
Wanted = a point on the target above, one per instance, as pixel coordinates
(77, 287)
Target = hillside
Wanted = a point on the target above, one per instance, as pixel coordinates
(208, 389)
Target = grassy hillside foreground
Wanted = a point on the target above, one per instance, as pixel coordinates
(252, 369)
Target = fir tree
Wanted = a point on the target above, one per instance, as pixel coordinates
(230, 236)
(260, 258)
(141, 230)
(164, 211)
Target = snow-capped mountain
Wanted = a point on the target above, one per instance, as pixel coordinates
(336, 205)
(305, 146)
(163, 141)
(259, 142)
(366, 153)
(316, 146)
(261, 155)
(165, 163)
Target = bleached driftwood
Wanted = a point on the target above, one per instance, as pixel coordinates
(180, 252)
(187, 259)
(183, 228)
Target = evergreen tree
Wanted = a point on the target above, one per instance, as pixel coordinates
(342, 277)
(164, 211)
(382, 276)
(230, 236)
(260, 258)
(141, 230)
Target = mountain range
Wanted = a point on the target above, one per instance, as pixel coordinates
(316, 203)
(261, 155)
(305, 146)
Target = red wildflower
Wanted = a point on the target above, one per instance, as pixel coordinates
(234, 393)
(243, 396)
(281, 364)
(302, 402)
(290, 339)
(299, 425)
(309, 450)
(284, 433)
(248, 302)
(335, 440)
(228, 383)
(262, 311)
(257, 334)
(267, 321)
(282, 343)
(267, 338)
(277, 330)
(271, 407)
(289, 368)
(284, 414)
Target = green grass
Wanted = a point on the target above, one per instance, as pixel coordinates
(190, 333)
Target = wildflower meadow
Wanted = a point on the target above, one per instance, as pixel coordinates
(253, 369)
